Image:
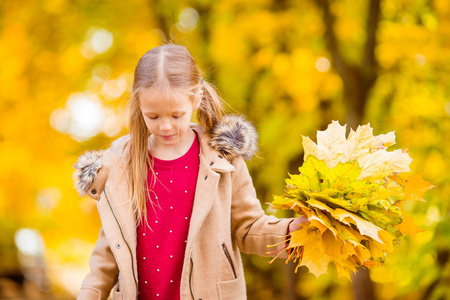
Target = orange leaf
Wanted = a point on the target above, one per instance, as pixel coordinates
(414, 186)
(408, 226)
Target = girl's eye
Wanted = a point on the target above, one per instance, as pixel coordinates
(177, 116)
(153, 118)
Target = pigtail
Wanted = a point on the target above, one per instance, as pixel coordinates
(210, 110)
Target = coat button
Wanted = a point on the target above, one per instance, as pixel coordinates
(94, 191)
(118, 246)
(211, 163)
(220, 156)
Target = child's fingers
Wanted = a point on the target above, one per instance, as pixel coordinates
(295, 225)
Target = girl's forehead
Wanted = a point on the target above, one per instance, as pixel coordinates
(152, 99)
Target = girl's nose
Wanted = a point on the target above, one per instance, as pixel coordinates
(165, 125)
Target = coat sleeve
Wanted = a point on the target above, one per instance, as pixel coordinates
(253, 230)
(104, 272)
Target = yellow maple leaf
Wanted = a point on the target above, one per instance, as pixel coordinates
(331, 144)
(414, 186)
(345, 232)
(344, 268)
(376, 251)
(408, 226)
(334, 246)
(318, 223)
(363, 141)
(365, 227)
(383, 163)
(361, 145)
(362, 253)
(309, 147)
(314, 256)
(388, 241)
(301, 208)
(298, 237)
(370, 263)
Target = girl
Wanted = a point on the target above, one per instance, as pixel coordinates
(175, 198)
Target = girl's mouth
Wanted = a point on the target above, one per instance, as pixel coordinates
(167, 137)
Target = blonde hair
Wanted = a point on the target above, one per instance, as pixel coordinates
(165, 69)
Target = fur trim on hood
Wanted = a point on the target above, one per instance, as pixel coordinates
(87, 168)
(233, 137)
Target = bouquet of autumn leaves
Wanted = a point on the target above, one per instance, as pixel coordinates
(351, 190)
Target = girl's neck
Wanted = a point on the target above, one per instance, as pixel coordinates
(172, 152)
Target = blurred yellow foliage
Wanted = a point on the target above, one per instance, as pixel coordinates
(61, 94)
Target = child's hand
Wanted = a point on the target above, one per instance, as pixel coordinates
(295, 224)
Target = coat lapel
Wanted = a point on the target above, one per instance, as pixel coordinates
(116, 190)
(211, 165)
(204, 198)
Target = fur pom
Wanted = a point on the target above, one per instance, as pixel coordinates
(234, 137)
(87, 168)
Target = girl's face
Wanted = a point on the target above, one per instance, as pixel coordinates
(168, 119)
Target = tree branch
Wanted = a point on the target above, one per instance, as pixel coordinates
(370, 62)
(332, 43)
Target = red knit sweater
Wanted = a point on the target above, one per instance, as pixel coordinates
(160, 250)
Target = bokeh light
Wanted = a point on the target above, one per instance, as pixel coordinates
(322, 64)
(187, 20)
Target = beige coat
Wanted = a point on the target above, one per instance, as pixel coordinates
(226, 217)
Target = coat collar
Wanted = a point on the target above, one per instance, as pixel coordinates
(213, 158)
(232, 138)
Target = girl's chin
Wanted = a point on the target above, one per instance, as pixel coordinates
(168, 140)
